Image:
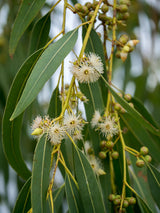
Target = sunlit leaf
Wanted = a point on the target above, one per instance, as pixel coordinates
(44, 69)
(89, 189)
(12, 130)
(40, 175)
(23, 203)
(27, 12)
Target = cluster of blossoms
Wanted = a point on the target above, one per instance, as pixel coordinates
(94, 162)
(107, 125)
(88, 69)
(56, 131)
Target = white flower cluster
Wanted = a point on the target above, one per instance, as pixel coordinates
(94, 162)
(107, 125)
(57, 130)
(88, 69)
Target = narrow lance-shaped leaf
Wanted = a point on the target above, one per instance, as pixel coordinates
(89, 189)
(73, 197)
(44, 69)
(27, 12)
(11, 130)
(58, 195)
(40, 175)
(23, 203)
(154, 183)
(134, 113)
(40, 33)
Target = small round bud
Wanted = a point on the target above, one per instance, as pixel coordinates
(125, 16)
(85, 10)
(124, 39)
(127, 97)
(88, 5)
(131, 104)
(102, 17)
(148, 158)
(117, 106)
(140, 163)
(109, 145)
(104, 8)
(123, 8)
(132, 200)
(127, 2)
(115, 155)
(90, 14)
(122, 110)
(78, 7)
(102, 155)
(117, 201)
(111, 197)
(103, 145)
(125, 203)
(125, 49)
(94, 5)
(144, 150)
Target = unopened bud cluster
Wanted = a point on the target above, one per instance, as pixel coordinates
(143, 154)
(118, 107)
(116, 200)
(107, 146)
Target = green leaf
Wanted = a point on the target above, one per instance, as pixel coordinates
(58, 195)
(40, 175)
(141, 184)
(134, 113)
(11, 130)
(154, 183)
(73, 197)
(40, 33)
(54, 108)
(27, 12)
(89, 189)
(47, 64)
(23, 203)
(142, 136)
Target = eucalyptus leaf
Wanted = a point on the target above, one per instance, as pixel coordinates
(40, 175)
(40, 33)
(46, 66)
(11, 130)
(89, 189)
(23, 203)
(58, 196)
(55, 104)
(27, 12)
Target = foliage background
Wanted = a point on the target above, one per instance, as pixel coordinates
(139, 75)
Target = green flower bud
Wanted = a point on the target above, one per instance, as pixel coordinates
(94, 5)
(125, 16)
(109, 145)
(123, 8)
(116, 201)
(102, 155)
(104, 8)
(78, 7)
(140, 163)
(102, 17)
(111, 197)
(88, 5)
(131, 200)
(144, 150)
(103, 145)
(117, 106)
(127, 97)
(125, 203)
(148, 158)
(115, 155)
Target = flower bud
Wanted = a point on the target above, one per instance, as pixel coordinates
(140, 163)
(37, 131)
(124, 38)
(109, 145)
(115, 155)
(131, 104)
(111, 197)
(102, 17)
(117, 201)
(125, 203)
(102, 155)
(127, 2)
(148, 158)
(127, 97)
(103, 145)
(88, 5)
(131, 200)
(90, 14)
(78, 7)
(144, 150)
(125, 16)
(123, 55)
(104, 8)
(117, 106)
(94, 5)
(123, 8)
